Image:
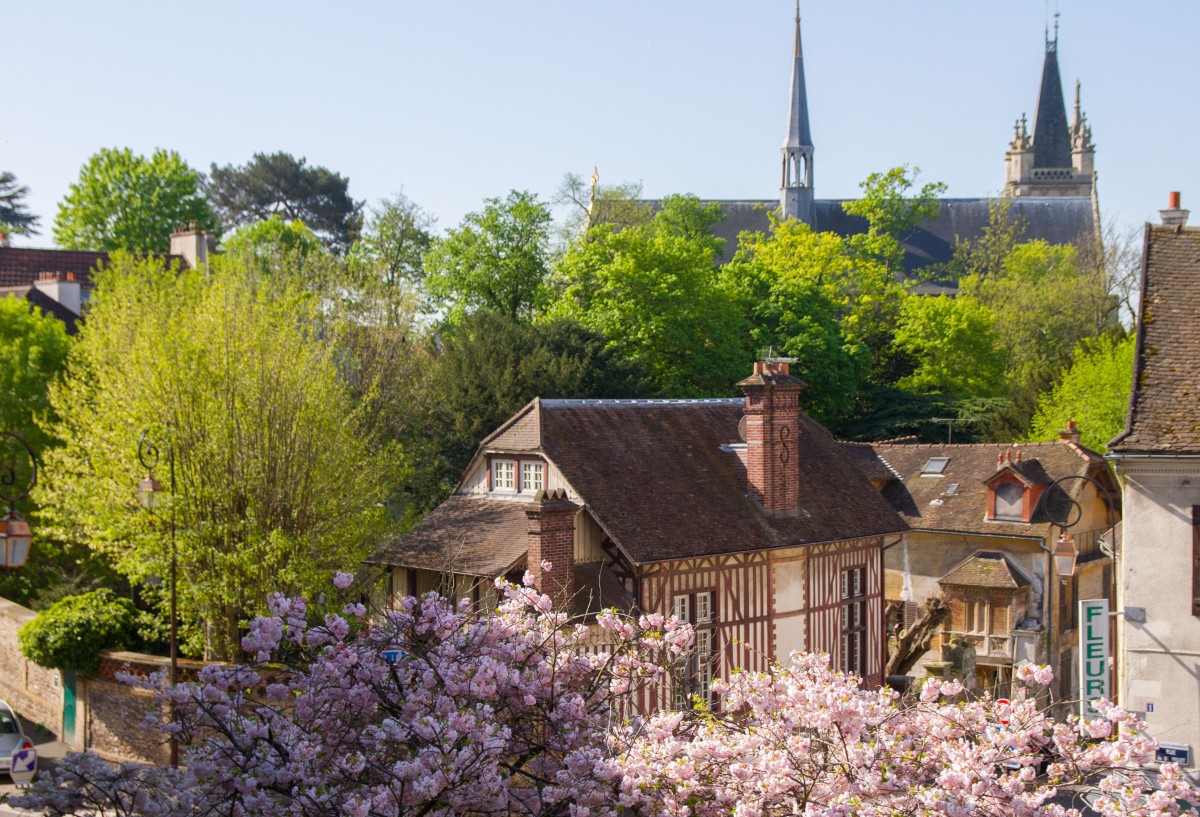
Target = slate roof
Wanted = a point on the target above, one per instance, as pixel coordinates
(1051, 136)
(1057, 220)
(925, 503)
(1164, 406)
(985, 569)
(654, 474)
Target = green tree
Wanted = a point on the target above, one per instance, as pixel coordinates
(280, 184)
(491, 365)
(274, 244)
(14, 216)
(33, 351)
(276, 486)
(654, 291)
(590, 204)
(123, 201)
(497, 259)
(952, 345)
(892, 213)
(1093, 391)
(393, 244)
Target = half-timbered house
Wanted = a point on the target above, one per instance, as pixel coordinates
(738, 515)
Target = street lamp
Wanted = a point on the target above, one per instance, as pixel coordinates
(15, 533)
(150, 496)
(1065, 554)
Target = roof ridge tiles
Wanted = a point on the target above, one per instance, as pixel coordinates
(599, 402)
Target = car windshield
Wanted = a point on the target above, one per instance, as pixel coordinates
(8, 723)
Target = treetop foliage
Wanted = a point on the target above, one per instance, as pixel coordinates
(70, 634)
(280, 184)
(14, 215)
(123, 201)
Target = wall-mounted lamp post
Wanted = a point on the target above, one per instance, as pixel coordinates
(1065, 554)
(150, 495)
(15, 533)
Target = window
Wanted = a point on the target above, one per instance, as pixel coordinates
(854, 619)
(699, 669)
(1010, 501)
(504, 475)
(952, 490)
(531, 477)
(935, 467)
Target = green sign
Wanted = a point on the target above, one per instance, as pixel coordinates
(1095, 655)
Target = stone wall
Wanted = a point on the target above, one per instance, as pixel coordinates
(35, 692)
(110, 715)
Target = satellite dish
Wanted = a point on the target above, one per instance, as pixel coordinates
(742, 428)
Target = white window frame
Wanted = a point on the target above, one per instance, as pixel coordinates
(681, 608)
(704, 611)
(498, 469)
(532, 468)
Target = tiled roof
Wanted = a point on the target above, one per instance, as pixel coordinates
(927, 503)
(1164, 409)
(597, 588)
(474, 536)
(983, 569)
(656, 477)
(20, 266)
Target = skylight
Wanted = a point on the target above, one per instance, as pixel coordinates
(935, 467)
(952, 490)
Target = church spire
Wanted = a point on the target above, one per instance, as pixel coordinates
(796, 193)
(1051, 136)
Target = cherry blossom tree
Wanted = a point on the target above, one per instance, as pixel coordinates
(439, 709)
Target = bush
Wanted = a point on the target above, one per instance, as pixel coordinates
(70, 634)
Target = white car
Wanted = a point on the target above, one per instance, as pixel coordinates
(11, 736)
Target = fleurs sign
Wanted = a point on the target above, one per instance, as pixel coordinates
(1095, 656)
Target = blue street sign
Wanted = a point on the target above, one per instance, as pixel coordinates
(1173, 753)
(24, 766)
(392, 656)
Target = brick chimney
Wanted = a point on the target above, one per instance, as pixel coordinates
(192, 244)
(1174, 215)
(1070, 434)
(552, 539)
(772, 436)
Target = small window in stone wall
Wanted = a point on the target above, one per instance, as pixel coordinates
(1010, 502)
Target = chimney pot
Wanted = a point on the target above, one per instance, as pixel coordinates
(1174, 216)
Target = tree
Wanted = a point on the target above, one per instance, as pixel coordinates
(280, 184)
(394, 242)
(33, 351)
(123, 201)
(231, 371)
(497, 259)
(1093, 391)
(952, 345)
(14, 216)
(891, 214)
(654, 291)
(263, 242)
(490, 366)
(517, 711)
(592, 204)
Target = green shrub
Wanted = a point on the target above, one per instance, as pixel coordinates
(70, 634)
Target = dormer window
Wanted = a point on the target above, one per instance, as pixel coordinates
(531, 477)
(935, 467)
(1010, 502)
(504, 475)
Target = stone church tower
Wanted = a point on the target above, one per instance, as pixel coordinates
(796, 188)
(1059, 160)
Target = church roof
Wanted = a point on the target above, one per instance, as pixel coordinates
(1162, 414)
(1051, 136)
(1060, 220)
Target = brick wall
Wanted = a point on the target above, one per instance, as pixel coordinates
(33, 691)
(772, 438)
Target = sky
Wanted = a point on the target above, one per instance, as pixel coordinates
(454, 102)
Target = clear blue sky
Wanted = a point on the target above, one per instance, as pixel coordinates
(453, 102)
